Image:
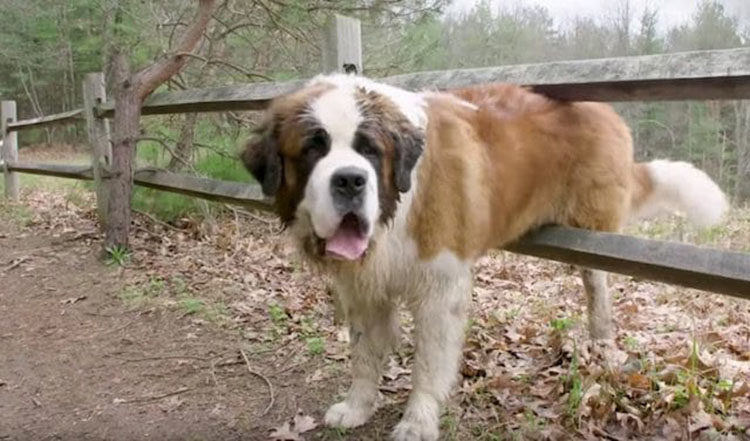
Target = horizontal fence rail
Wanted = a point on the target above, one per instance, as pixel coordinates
(718, 271)
(82, 172)
(240, 97)
(210, 189)
(49, 120)
(701, 75)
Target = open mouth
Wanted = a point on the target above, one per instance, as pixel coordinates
(350, 241)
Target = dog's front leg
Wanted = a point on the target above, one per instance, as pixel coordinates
(373, 334)
(440, 318)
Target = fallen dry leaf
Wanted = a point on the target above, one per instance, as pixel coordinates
(291, 431)
(304, 423)
(526, 347)
(639, 381)
(284, 433)
(699, 421)
(171, 404)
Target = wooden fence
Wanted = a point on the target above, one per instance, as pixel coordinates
(705, 75)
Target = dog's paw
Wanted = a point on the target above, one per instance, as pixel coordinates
(347, 416)
(409, 430)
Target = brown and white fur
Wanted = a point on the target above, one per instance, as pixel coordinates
(443, 177)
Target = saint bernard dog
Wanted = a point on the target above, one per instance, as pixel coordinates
(395, 194)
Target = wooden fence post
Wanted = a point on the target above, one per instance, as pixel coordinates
(342, 45)
(98, 135)
(9, 149)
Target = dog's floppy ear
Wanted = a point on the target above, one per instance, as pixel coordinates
(262, 159)
(408, 147)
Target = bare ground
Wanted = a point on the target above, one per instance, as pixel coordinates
(153, 348)
(80, 362)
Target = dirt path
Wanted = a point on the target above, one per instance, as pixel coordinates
(82, 359)
(78, 364)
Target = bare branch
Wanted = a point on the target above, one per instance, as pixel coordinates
(152, 76)
(238, 26)
(240, 69)
(273, 16)
(165, 146)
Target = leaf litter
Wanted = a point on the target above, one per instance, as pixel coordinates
(680, 368)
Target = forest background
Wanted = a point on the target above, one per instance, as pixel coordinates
(46, 47)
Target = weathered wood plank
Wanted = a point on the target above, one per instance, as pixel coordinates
(210, 189)
(47, 120)
(701, 75)
(719, 271)
(81, 172)
(9, 148)
(238, 193)
(237, 97)
(97, 130)
(342, 45)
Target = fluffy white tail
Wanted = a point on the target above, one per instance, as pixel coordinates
(667, 186)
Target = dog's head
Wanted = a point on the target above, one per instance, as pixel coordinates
(336, 155)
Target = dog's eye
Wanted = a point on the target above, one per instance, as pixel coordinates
(366, 148)
(316, 144)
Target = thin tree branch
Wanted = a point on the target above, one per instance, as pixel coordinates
(225, 63)
(149, 78)
(166, 147)
(262, 377)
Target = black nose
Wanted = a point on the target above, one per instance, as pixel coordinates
(347, 187)
(349, 181)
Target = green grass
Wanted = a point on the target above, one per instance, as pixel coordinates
(631, 344)
(449, 426)
(216, 312)
(315, 345)
(175, 293)
(482, 433)
(334, 434)
(220, 167)
(574, 384)
(192, 305)
(39, 182)
(17, 214)
(141, 294)
(170, 206)
(166, 206)
(562, 324)
(218, 162)
(117, 255)
(731, 233)
(277, 314)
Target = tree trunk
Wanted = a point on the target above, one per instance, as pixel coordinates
(125, 128)
(131, 90)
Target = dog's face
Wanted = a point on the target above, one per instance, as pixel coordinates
(336, 155)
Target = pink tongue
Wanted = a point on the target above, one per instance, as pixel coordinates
(346, 243)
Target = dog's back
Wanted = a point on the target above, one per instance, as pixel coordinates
(517, 160)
